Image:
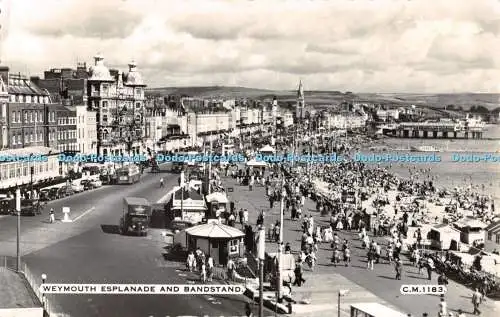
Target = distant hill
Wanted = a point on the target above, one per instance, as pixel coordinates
(465, 100)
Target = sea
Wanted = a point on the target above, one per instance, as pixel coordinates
(483, 177)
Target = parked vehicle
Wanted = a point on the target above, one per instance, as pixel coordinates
(65, 191)
(86, 183)
(96, 183)
(44, 195)
(54, 193)
(7, 205)
(77, 188)
(31, 207)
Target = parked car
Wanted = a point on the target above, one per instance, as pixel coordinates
(86, 183)
(96, 183)
(30, 207)
(77, 188)
(179, 225)
(54, 193)
(44, 195)
(65, 191)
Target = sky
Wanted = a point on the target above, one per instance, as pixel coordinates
(391, 46)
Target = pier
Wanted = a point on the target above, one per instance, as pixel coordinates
(436, 130)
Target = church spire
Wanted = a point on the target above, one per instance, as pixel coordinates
(299, 113)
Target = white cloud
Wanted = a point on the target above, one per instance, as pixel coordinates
(365, 46)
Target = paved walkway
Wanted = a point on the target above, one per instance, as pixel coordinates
(14, 291)
(323, 283)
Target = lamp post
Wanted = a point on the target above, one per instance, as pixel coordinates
(18, 240)
(44, 278)
(261, 253)
(279, 288)
(342, 292)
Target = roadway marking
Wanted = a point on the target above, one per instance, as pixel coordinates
(84, 213)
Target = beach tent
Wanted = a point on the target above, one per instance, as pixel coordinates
(255, 163)
(267, 149)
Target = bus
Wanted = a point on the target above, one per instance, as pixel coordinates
(129, 174)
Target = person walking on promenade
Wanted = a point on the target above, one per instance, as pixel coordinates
(442, 279)
(248, 310)
(347, 256)
(477, 299)
(429, 267)
(390, 253)
(399, 268)
(191, 261)
(231, 266)
(336, 256)
(241, 215)
(299, 274)
(210, 268)
(52, 216)
(203, 272)
(443, 307)
(371, 259)
(161, 182)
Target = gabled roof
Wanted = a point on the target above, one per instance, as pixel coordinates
(494, 227)
(215, 230)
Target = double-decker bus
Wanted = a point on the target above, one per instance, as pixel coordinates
(129, 174)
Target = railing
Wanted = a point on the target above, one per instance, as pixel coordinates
(34, 282)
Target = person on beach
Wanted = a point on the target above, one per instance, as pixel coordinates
(336, 257)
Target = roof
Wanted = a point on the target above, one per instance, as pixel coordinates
(377, 309)
(217, 197)
(471, 223)
(136, 201)
(215, 230)
(267, 148)
(188, 194)
(33, 150)
(494, 227)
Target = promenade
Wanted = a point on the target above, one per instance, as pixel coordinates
(322, 284)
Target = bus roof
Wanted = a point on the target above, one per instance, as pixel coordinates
(377, 310)
(136, 201)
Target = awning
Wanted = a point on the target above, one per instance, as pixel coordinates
(267, 148)
(215, 230)
(255, 163)
(217, 197)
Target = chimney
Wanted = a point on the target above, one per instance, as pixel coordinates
(4, 73)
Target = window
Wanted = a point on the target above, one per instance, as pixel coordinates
(40, 116)
(489, 236)
(14, 140)
(25, 117)
(35, 99)
(137, 105)
(138, 91)
(31, 116)
(36, 116)
(497, 238)
(19, 117)
(105, 104)
(105, 118)
(28, 99)
(233, 246)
